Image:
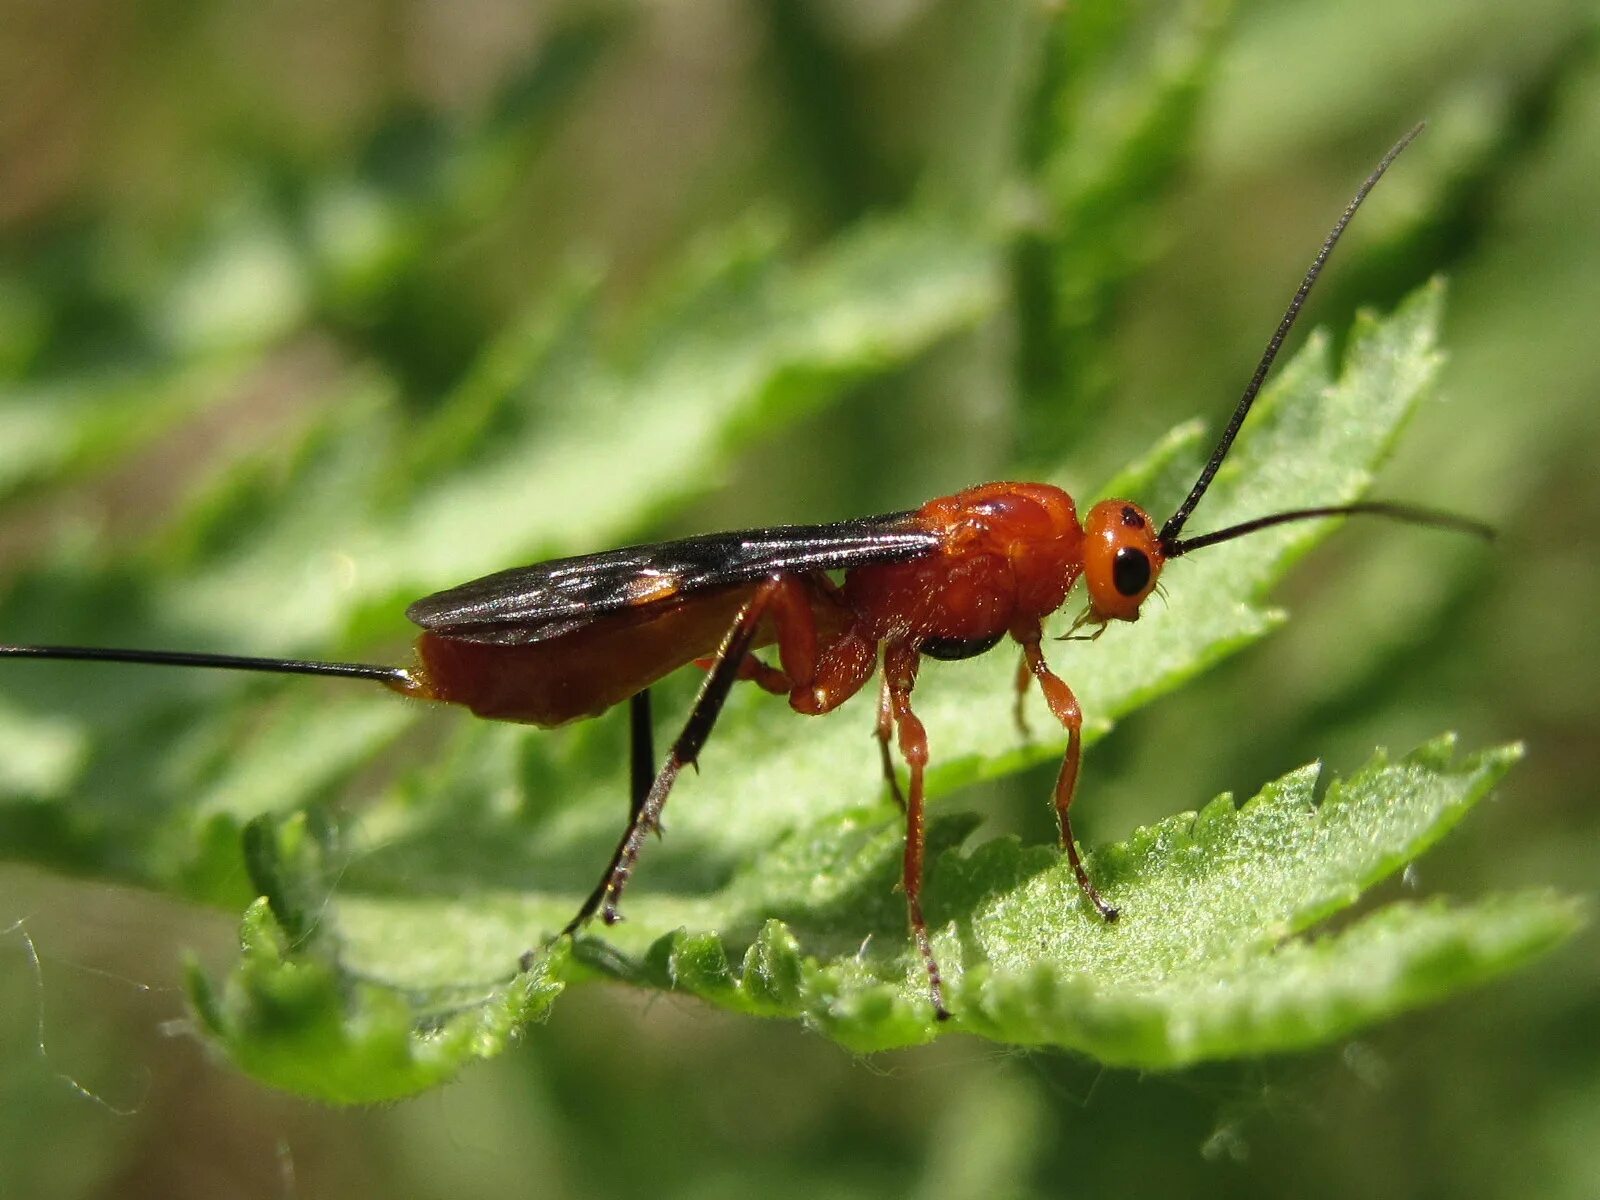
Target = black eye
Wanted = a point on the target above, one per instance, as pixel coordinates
(1130, 571)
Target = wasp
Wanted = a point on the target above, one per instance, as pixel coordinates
(834, 605)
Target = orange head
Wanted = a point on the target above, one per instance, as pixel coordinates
(1122, 559)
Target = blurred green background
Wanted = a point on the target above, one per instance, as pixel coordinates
(218, 221)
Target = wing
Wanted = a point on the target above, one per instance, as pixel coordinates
(546, 600)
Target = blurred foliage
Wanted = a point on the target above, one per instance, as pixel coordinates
(284, 293)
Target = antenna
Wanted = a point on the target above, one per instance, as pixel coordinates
(1374, 508)
(1169, 532)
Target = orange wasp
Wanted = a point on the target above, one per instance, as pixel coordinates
(568, 639)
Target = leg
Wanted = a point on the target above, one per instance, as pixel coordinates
(900, 673)
(1024, 678)
(641, 752)
(641, 774)
(1064, 705)
(883, 732)
(685, 751)
(767, 678)
(794, 622)
(841, 668)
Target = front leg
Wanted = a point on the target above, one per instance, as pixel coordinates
(1064, 706)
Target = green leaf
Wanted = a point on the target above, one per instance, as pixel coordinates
(1215, 969)
(773, 892)
(1306, 993)
(1208, 961)
(304, 1026)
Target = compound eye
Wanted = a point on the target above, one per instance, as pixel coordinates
(1130, 571)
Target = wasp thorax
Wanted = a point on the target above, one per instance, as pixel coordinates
(1122, 559)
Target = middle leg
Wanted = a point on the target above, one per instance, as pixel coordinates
(900, 675)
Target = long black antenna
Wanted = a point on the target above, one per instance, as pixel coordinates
(1375, 508)
(393, 676)
(1169, 532)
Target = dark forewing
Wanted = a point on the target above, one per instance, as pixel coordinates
(546, 600)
